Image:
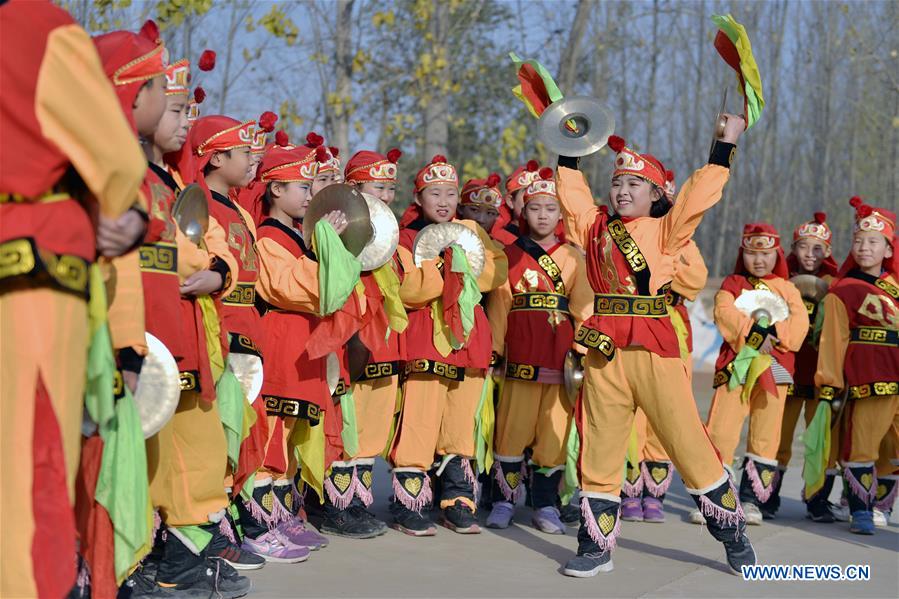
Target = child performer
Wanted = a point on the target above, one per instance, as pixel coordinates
(810, 255)
(633, 357)
(858, 357)
(755, 386)
(533, 317)
(447, 355)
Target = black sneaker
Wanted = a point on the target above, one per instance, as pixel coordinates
(411, 522)
(739, 553)
(139, 585)
(346, 523)
(589, 564)
(366, 515)
(570, 514)
(459, 518)
(237, 558)
(215, 578)
(818, 510)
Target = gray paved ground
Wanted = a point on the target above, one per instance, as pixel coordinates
(674, 559)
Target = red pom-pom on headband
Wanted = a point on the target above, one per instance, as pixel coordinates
(150, 30)
(267, 121)
(314, 139)
(335, 151)
(820, 217)
(199, 95)
(438, 158)
(616, 143)
(321, 154)
(493, 180)
(393, 155)
(533, 166)
(546, 173)
(207, 60)
(855, 201)
(669, 175)
(281, 138)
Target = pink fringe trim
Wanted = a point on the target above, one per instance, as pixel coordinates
(721, 515)
(297, 499)
(279, 512)
(886, 503)
(415, 504)
(471, 479)
(362, 492)
(656, 490)
(339, 500)
(761, 493)
(866, 495)
(258, 512)
(605, 542)
(632, 489)
(225, 529)
(511, 495)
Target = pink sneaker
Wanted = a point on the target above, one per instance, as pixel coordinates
(302, 535)
(631, 509)
(273, 548)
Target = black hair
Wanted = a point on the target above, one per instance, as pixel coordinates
(209, 168)
(662, 206)
(267, 196)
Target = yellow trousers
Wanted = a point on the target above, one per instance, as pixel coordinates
(438, 418)
(43, 336)
(726, 416)
(187, 461)
(613, 390)
(375, 403)
(534, 415)
(648, 443)
(872, 420)
(792, 407)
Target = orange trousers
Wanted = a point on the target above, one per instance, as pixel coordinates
(649, 445)
(375, 404)
(187, 461)
(765, 411)
(873, 419)
(613, 390)
(438, 418)
(43, 356)
(792, 407)
(534, 415)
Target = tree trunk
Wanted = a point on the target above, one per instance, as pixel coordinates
(436, 111)
(341, 110)
(572, 52)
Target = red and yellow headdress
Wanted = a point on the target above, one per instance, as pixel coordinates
(287, 164)
(817, 229)
(482, 192)
(878, 220)
(130, 60)
(759, 237)
(327, 158)
(177, 78)
(265, 125)
(544, 185)
(211, 134)
(437, 172)
(366, 166)
(645, 166)
(522, 176)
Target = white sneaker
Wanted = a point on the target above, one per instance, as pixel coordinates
(696, 517)
(752, 513)
(880, 519)
(840, 512)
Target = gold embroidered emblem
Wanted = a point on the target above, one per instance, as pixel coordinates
(606, 523)
(881, 491)
(288, 501)
(658, 474)
(766, 476)
(413, 485)
(268, 501)
(513, 478)
(342, 481)
(366, 479)
(728, 500)
(867, 479)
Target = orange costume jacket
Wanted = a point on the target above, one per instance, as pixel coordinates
(859, 345)
(534, 314)
(631, 262)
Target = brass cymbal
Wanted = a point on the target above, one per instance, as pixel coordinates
(573, 375)
(576, 126)
(433, 239)
(158, 387)
(191, 212)
(385, 236)
(810, 287)
(248, 370)
(348, 200)
(762, 299)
